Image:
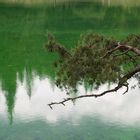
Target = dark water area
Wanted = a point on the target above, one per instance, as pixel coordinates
(27, 75)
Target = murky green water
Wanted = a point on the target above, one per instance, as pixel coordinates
(26, 73)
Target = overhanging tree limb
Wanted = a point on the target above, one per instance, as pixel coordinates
(103, 61)
(122, 82)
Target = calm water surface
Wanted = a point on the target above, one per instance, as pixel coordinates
(27, 76)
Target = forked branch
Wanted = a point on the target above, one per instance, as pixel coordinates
(124, 48)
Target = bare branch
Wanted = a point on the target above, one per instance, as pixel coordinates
(122, 82)
(125, 48)
(127, 88)
(85, 96)
(131, 48)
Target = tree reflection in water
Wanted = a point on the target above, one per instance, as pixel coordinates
(22, 34)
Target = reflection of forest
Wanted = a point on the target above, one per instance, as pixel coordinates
(22, 31)
(124, 3)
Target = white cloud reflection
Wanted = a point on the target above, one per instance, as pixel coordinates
(112, 107)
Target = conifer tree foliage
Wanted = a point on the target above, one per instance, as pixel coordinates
(96, 60)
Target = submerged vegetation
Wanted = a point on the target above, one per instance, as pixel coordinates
(96, 60)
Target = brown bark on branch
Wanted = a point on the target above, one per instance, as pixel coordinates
(122, 82)
(124, 48)
(130, 48)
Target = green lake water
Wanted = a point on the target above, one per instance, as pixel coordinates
(27, 75)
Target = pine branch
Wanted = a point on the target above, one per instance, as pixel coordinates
(122, 83)
(124, 48)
